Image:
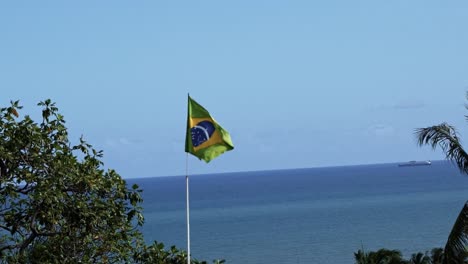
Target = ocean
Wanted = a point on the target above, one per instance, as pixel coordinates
(317, 215)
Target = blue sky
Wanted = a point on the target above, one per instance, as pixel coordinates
(296, 83)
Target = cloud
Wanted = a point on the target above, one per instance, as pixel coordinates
(402, 105)
(122, 141)
(408, 105)
(109, 142)
(380, 130)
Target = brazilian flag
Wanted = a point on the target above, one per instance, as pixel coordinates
(205, 138)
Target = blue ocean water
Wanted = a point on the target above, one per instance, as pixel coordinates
(318, 215)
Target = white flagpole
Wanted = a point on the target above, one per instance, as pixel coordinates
(188, 209)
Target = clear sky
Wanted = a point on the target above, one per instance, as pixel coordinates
(296, 83)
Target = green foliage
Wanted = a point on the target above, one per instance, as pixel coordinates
(420, 258)
(156, 254)
(57, 203)
(386, 256)
(437, 256)
(382, 256)
(446, 137)
(455, 249)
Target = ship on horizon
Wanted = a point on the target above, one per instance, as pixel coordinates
(415, 163)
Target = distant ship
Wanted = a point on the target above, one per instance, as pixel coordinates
(415, 163)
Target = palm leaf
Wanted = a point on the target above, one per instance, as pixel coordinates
(446, 137)
(457, 243)
(437, 255)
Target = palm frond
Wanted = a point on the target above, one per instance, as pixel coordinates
(446, 137)
(457, 243)
(437, 255)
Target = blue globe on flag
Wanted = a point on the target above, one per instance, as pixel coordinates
(202, 132)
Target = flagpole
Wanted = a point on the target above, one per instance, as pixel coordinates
(188, 208)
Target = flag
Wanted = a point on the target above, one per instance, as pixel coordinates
(205, 138)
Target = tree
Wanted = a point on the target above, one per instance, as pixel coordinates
(437, 256)
(385, 256)
(381, 256)
(446, 137)
(156, 254)
(57, 203)
(361, 257)
(420, 258)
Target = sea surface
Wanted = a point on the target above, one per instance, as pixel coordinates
(317, 215)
